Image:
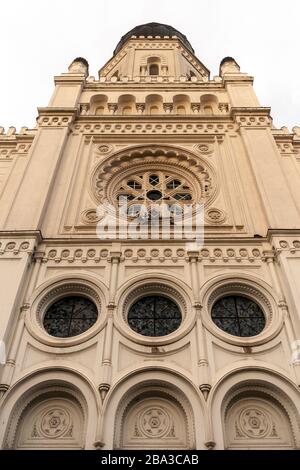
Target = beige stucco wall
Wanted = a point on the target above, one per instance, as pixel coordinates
(48, 242)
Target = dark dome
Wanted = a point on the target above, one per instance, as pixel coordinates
(153, 29)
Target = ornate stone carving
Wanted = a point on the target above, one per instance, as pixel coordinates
(115, 128)
(179, 165)
(53, 423)
(140, 107)
(54, 418)
(255, 423)
(224, 107)
(90, 216)
(104, 148)
(54, 121)
(215, 216)
(153, 422)
(230, 253)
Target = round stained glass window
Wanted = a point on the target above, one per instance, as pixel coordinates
(154, 316)
(146, 188)
(238, 316)
(70, 316)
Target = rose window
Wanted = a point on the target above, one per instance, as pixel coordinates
(148, 187)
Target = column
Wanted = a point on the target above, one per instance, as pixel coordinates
(203, 366)
(108, 342)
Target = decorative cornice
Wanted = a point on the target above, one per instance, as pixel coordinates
(69, 79)
(164, 124)
(251, 117)
(56, 117)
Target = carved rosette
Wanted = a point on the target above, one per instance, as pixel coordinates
(53, 424)
(254, 423)
(153, 423)
(215, 216)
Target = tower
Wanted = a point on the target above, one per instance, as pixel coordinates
(158, 341)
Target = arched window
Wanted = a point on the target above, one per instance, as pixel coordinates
(70, 316)
(154, 316)
(153, 69)
(238, 316)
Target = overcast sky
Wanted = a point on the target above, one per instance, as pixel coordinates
(39, 39)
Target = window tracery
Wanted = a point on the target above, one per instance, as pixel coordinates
(147, 187)
(238, 316)
(70, 316)
(154, 316)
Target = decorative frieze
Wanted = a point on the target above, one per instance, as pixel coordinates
(153, 253)
(15, 247)
(75, 254)
(151, 127)
(56, 117)
(54, 121)
(290, 246)
(9, 152)
(253, 121)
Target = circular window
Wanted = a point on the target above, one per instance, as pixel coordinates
(154, 316)
(145, 187)
(70, 316)
(238, 316)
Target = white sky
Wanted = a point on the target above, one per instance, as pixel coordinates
(39, 39)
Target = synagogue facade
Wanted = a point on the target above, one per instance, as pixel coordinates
(151, 341)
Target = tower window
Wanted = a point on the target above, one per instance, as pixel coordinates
(153, 69)
(238, 316)
(154, 316)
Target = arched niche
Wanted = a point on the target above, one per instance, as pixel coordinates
(126, 105)
(50, 418)
(154, 417)
(181, 104)
(154, 104)
(54, 392)
(154, 65)
(169, 390)
(98, 105)
(255, 407)
(255, 419)
(209, 104)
